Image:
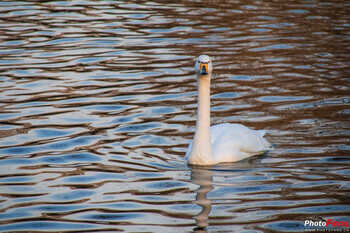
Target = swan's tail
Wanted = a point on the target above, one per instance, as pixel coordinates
(267, 145)
(262, 132)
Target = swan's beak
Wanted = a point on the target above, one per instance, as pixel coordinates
(203, 67)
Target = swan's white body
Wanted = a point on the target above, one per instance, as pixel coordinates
(224, 142)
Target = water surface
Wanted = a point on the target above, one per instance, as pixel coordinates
(98, 101)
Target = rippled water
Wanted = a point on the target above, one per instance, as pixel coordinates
(98, 103)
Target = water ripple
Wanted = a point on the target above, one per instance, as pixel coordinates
(98, 101)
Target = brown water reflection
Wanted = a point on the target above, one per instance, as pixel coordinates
(98, 102)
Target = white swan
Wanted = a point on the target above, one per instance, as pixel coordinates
(224, 142)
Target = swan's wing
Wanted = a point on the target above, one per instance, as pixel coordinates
(235, 142)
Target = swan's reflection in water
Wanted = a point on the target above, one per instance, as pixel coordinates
(204, 178)
(240, 171)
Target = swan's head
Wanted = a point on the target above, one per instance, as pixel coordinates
(203, 65)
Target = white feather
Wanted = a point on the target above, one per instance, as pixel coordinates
(234, 142)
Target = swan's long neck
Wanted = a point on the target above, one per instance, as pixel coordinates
(201, 152)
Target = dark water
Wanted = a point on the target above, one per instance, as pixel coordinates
(98, 103)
